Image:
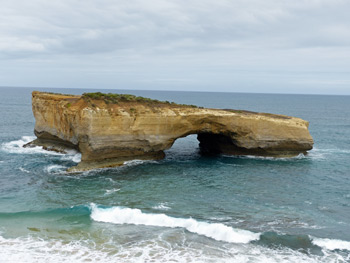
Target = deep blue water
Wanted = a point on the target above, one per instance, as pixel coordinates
(187, 207)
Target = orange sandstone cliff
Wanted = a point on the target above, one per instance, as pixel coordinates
(110, 129)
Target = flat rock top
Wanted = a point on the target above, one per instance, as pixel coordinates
(131, 103)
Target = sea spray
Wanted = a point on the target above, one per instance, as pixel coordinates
(217, 231)
(16, 146)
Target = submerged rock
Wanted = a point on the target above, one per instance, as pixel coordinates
(109, 129)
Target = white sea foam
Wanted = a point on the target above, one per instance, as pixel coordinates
(73, 156)
(30, 249)
(133, 162)
(331, 244)
(278, 224)
(55, 168)
(315, 153)
(318, 153)
(34, 249)
(162, 206)
(111, 191)
(125, 165)
(137, 162)
(17, 147)
(300, 156)
(23, 170)
(76, 158)
(331, 150)
(217, 231)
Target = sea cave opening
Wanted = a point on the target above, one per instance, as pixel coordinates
(196, 145)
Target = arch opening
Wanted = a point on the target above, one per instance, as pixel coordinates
(184, 148)
(203, 143)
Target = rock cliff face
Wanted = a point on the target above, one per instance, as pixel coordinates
(109, 131)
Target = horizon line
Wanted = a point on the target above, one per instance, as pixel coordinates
(199, 91)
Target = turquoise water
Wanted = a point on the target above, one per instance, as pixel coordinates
(187, 207)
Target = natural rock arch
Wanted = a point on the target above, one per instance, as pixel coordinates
(108, 134)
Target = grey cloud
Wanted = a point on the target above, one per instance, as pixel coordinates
(166, 39)
(105, 26)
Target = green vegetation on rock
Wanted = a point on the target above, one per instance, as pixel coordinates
(112, 98)
(115, 98)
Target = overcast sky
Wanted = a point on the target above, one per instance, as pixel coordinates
(272, 46)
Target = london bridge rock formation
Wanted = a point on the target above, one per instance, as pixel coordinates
(109, 129)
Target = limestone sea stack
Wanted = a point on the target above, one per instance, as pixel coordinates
(109, 129)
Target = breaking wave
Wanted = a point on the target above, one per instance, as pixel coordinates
(165, 246)
(331, 244)
(217, 231)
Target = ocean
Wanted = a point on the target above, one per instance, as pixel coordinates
(187, 207)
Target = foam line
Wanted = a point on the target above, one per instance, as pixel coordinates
(40, 250)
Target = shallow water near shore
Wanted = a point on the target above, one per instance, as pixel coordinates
(187, 207)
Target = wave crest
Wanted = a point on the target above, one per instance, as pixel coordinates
(331, 244)
(217, 231)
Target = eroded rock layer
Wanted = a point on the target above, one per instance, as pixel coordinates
(108, 133)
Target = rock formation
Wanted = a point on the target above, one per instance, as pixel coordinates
(109, 129)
